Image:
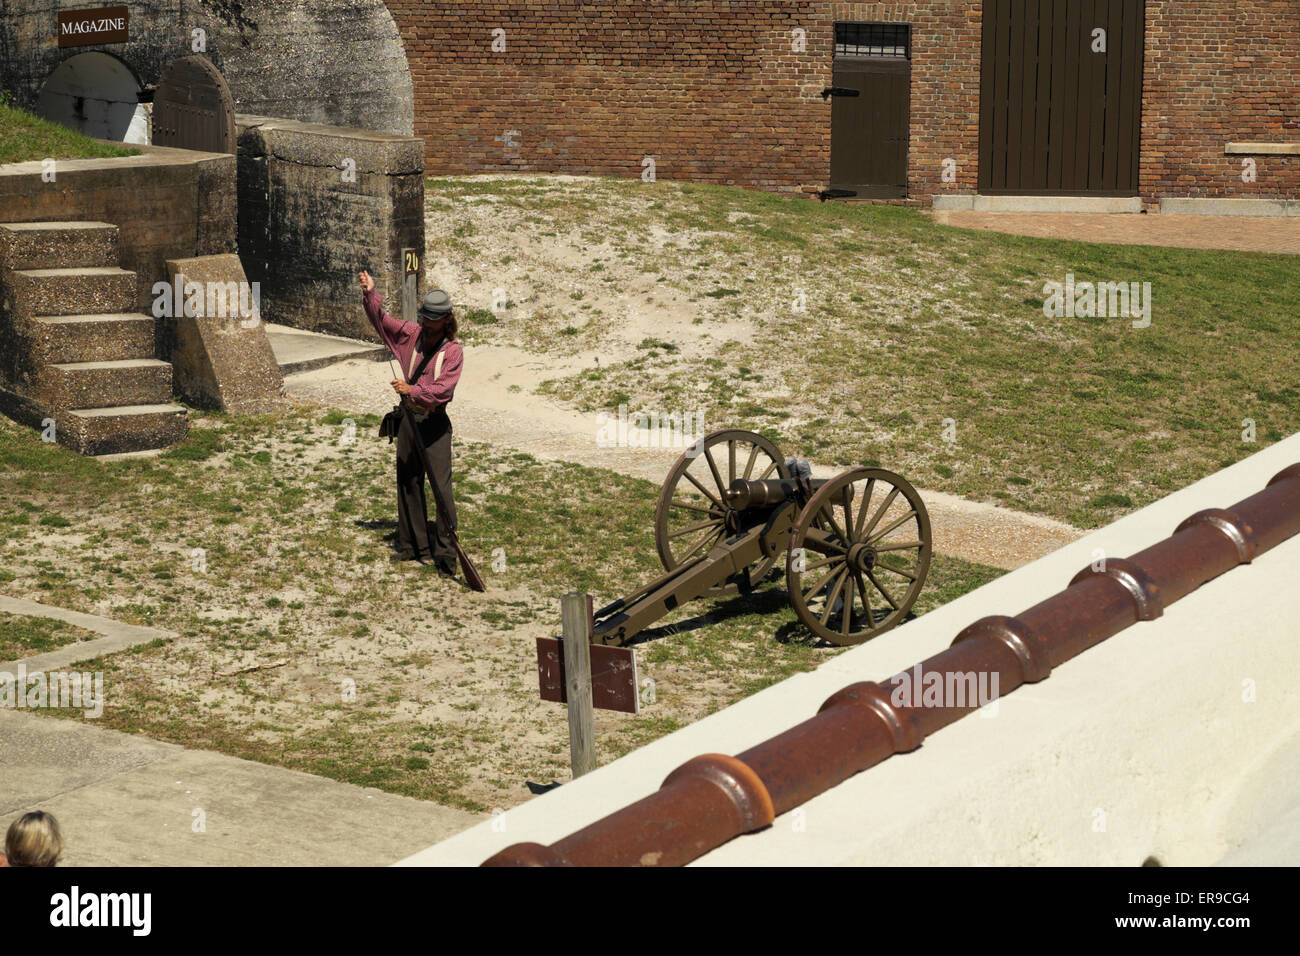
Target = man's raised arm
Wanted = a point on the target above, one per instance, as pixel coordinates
(391, 330)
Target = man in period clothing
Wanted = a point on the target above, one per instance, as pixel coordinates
(430, 359)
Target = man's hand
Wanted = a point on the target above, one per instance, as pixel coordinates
(367, 282)
(400, 387)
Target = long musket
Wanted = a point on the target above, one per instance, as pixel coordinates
(467, 568)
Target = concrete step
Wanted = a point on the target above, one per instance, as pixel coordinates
(85, 338)
(112, 431)
(1101, 204)
(85, 290)
(100, 384)
(57, 245)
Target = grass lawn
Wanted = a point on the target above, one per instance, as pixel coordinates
(859, 334)
(24, 636)
(261, 543)
(24, 137)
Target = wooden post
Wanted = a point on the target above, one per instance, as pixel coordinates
(575, 618)
(410, 284)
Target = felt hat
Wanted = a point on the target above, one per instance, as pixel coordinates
(436, 305)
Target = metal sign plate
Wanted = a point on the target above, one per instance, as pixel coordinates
(613, 675)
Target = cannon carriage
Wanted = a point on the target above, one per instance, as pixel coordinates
(856, 547)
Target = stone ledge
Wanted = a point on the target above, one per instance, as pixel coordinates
(1262, 149)
(1229, 207)
(315, 144)
(1096, 204)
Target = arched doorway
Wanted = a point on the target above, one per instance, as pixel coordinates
(96, 94)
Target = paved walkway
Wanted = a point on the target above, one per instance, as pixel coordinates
(125, 800)
(1243, 233)
(297, 350)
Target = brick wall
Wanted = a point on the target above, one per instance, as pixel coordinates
(712, 90)
(717, 91)
(1220, 71)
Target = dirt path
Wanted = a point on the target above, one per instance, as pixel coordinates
(496, 403)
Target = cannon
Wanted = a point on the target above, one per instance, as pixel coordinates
(856, 547)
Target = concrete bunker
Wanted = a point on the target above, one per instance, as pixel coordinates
(315, 61)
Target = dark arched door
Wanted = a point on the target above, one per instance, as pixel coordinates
(193, 108)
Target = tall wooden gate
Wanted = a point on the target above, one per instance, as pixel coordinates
(869, 132)
(193, 108)
(1061, 96)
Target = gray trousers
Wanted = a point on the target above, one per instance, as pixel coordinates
(412, 510)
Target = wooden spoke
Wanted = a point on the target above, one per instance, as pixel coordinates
(830, 600)
(864, 507)
(822, 563)
(822, 584)
(692, 527)
(846, 612)
(889, 567)
(898, 546)
(705, 491)
(713, 467)
(892, 525)
(703, 542)
(678, 503)
(884, 506)
(768, 470)
(866, 603)
(692, 495)
(846, 499)
(881, 588)
(828, 511)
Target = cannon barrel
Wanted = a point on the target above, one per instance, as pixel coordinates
(745, 493)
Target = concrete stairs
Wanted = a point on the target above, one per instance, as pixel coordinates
(93, 359)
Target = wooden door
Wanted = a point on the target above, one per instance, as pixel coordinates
(1060, 114)
(193, 108)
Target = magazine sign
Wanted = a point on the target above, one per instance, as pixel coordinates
(92, 27)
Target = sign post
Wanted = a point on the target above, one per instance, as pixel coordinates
(575, 615)
(410, 283)
(586, 676)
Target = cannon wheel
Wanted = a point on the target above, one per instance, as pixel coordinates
(691, 516)
(868, 559)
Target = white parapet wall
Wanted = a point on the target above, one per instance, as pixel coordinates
(1177, 739)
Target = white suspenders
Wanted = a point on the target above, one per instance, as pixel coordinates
(437, 363)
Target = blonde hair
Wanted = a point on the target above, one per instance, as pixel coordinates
(34, 840)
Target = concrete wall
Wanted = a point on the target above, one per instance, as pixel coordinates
(317, 204)
(166, 203)
(1144, 745)
(313, 60)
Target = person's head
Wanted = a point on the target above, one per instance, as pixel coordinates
(34, 840)
(437, 320)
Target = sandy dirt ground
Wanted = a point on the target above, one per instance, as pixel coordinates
(496, 403)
